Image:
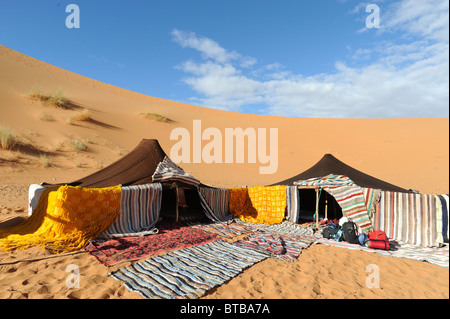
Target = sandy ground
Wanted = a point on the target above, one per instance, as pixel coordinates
(410, 153)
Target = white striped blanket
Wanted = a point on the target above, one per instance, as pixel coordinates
(187, 273)
(436, 256)
(214, 202)
(410, 218)
(167, 170)
(442, 218)
(292, 204)
(140, 207)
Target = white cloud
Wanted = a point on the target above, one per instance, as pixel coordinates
(408, 78)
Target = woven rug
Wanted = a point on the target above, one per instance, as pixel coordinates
(187, 273)
(226, 230)
(170, 237)
(438, 256)
(284, 247)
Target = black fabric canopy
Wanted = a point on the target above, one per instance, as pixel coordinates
(135, 168)
(331, 165)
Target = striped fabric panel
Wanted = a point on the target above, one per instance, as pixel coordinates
(292, 204)
(372, 197)
(410, 218)
(187, 273)
(167, 170)
(140, 207)
(442, 214)
(215, 202)
(353, 204)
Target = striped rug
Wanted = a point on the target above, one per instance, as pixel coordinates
(140, 206)
(284, 247)
(408, 217)
(187, 273)
(226, 230)
(435, 256)
(214, 202)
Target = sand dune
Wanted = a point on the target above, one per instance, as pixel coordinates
(410, 153)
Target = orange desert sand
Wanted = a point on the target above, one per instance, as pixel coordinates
(410, 153)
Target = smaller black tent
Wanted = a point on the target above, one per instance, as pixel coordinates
(331, 165)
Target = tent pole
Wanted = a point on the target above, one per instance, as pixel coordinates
(326, 206)
(317, 208)
(176, 216)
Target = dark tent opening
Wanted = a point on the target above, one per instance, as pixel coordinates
(328, 206)
(181, 204)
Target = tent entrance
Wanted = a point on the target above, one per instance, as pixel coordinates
(181, 204)
(328, 206)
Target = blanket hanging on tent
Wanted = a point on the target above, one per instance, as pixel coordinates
(259, 204)
(347, 194)
(410, 218)
(214, 202)
(292, 204)
(140, 206)
(442, 218)
(167, 170)
(65, 219)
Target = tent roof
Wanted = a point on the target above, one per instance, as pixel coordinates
(331, 165)
(135, 168)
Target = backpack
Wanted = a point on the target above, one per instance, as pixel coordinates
(330, 231)
(349, 233)
(379, 240)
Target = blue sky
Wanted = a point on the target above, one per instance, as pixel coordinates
(286, 57)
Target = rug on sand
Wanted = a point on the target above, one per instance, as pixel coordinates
(435, 256)
(169, 237)
(281, 246)
(187, 273)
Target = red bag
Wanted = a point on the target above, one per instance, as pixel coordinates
(379, 240)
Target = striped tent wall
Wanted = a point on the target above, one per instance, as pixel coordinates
(413, 218)
(140, 206)
(214, 202)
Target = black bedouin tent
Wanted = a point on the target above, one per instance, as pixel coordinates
(331, 165)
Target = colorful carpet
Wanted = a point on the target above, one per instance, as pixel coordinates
(284, 247)
(170, 237)
(187, 273)
(226, 230)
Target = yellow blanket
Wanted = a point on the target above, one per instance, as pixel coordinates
(259, 204)
(65, 219)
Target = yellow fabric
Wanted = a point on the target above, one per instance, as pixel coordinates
(65, 219)
(240, 204)
(259, 204)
